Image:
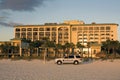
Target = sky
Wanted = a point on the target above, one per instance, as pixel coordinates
(15, 12)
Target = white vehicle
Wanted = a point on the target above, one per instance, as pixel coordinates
(74, 59)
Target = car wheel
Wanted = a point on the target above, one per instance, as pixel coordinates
(76, 62)
(59, 62)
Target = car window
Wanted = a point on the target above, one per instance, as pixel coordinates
(71, 56)
(66, 57)
(78, 57)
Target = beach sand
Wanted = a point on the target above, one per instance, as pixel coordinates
(37, 70)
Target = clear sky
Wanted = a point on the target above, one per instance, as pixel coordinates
(44, 11)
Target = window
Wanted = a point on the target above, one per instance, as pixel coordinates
(96, 37)
(60, 35)
(84, 34)
(96, 28)
(107, 34)
(96, 34)
(17, 35)
(23, 33)
(107, 38)
(47, 29)
(65, 37)
(17, 29)
(53, 33)
(41, 29)
(102, 34)
(23, 29)
(41, 33)
(29, 33)
(60, 29)
(80, 38)
(91, 34)
(29, 29)
(102, 37)
(66, 57)
(90, 28)
(80, 34)
(66, 34)
(35, 33)
(102, 28)
(35, 29)
(71, 56)
(80, 28)
(47, 33)
(107, 28)
(85, 28)
(94, 52)
(78, 57)
(53, 29)
(74, 29)
(91, 37)
(66, 29)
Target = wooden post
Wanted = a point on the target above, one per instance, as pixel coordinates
(45, 56)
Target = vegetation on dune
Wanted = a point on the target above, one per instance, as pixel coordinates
(46, 49)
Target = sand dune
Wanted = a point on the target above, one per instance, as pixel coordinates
(37, 70)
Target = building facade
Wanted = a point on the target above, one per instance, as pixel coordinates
(70, 31)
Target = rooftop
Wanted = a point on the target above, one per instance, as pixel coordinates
(70, 22)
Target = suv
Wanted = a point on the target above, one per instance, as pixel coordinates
(75, 59)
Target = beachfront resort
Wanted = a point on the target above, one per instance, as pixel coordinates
(58, 39)
(53, 40)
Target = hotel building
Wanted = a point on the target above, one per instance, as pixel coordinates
(69, 31)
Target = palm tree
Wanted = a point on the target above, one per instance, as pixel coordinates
(58, 48)
(45, 41)
(72, 46)
(36, 44)
(67, 48)
(88, 46)
(118, 50)
(4, 49)
(7, 49)
(26, 47)
(80, 46)
(114, 45)
(109, 45)
(106, 46)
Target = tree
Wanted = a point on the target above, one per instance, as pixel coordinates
(88, 46)
(67, 48)
(26, 48)
(8, 49)
(72, 46)
(58, 48)
(80, 46)
(35, 45)
(114, 46)
(106, 46)
(45, 41)
(5, 48)
(110, 46)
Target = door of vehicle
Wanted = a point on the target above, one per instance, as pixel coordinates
(68, 59)
(71, 59)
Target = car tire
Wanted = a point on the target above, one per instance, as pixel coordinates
(59, 62)
(76, 62)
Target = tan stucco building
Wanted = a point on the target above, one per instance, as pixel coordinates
(69, 31)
